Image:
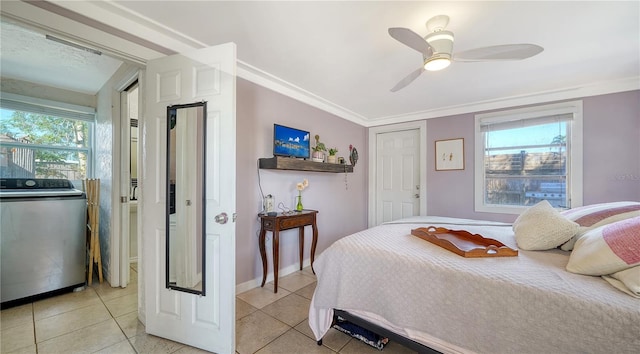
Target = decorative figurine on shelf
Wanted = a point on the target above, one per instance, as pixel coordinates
(353, 155)
(318, 150)
(300, 186)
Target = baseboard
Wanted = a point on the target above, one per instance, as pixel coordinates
(255, 283)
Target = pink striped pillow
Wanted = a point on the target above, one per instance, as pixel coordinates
(596, 215)
(607, 249)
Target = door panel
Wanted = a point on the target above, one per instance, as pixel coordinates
(397, 175)
(206, 322)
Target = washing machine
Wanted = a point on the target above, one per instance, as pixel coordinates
(43, 238)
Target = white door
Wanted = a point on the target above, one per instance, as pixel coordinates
(206, 322)
(397, 175)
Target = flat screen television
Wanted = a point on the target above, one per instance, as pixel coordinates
(290, 142)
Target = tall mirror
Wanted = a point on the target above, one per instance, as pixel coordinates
(186, 197)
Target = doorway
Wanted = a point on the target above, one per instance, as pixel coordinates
(129, 187)
(397, 166)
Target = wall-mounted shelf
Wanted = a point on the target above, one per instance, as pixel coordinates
(288, 163)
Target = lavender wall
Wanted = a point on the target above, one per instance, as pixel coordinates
(611, 166)
(342, 210)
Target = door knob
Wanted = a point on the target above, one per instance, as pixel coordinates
(222, 218)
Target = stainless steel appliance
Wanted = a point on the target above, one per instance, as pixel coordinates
(42, 232)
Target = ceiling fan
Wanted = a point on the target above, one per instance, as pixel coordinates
(437, 49)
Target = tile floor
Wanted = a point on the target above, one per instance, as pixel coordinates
(102, 319)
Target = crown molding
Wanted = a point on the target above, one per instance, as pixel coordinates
(262, 78)
(594, 89)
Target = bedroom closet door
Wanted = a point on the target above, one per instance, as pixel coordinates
(397, 175)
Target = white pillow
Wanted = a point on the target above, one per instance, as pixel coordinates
(595, 215)
(541, 227)
(627, 280)
(607, 249)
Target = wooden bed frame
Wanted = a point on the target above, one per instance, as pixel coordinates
(409, 343)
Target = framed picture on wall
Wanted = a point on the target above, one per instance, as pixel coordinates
(450, 154)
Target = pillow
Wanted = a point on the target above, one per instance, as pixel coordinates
(607, 249)
(541, 227)
(595, 215)
(627, 280)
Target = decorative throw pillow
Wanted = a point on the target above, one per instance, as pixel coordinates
(596, 215)
(541, 227)
(607, 249)
(627, 280)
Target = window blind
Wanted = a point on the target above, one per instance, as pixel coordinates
(493, 125)
(47, 107)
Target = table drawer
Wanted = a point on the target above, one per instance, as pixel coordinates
(298, 221)
(267, 224)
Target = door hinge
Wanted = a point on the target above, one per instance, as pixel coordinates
(123, 199)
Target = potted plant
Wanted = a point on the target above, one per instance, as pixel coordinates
(332, 155)
(318, 150)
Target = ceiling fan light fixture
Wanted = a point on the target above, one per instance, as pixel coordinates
(437, 62)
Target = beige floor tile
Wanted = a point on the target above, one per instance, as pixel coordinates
(357, 347)
(70, 321)
(291, 309)
(190, 350)
(88, 339)
(25, 350)
(106, 292)
(261, 297)
(130, 324)
(134, 266)
(307, 291)
(149, 344)
(295, 281)
(293, 342)
(16, 316)
(333, 339)
(63, 303)
(243, 309)
(122, 305)
(123, 347)
(17, 337)
(257, 330)
(308, 271)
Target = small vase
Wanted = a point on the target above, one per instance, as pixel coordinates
(331, 159)
(299, 206)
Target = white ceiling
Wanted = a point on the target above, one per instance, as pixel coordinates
(28, 56)
(338, 56)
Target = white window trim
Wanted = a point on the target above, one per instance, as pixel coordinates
(574, 149)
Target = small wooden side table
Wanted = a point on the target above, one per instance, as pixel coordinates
(281, 222)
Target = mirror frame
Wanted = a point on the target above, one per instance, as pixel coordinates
(171, 119)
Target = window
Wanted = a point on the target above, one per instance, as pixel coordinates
(44, 139)
(523, 156)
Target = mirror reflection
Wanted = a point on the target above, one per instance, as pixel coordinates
(186, 201)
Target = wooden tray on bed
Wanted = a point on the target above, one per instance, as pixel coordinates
(464, 243)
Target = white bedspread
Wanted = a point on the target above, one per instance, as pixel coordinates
(523, 304)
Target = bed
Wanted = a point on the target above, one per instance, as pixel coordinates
(428, 295)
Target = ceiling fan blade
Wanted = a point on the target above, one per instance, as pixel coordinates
(408, 79)
(499, 53)
(411, 39)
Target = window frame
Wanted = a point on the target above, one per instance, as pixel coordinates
(15, 102)
(574, 151)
